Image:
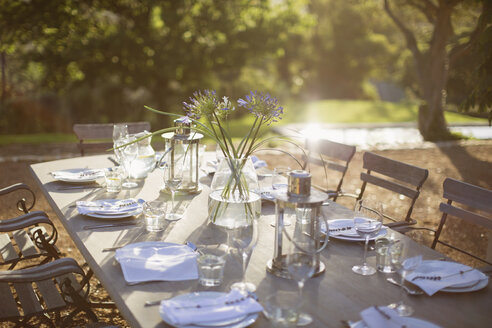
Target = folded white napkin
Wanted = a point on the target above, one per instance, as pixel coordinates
(257, 163)
(197, 310)
(383, 317)
(157, 261)
(109, 206)
(78, 174)
(432, 276)
(343, 227)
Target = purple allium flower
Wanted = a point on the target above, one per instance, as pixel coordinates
(262, 105)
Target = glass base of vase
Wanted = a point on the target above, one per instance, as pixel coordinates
(244, 286)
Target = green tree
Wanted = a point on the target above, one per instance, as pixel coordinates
(106, 58)
(435, 53)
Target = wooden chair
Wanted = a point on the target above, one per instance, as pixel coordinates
(99, 137)
(28, 236)
(460, 195)
(331, 156)
(44, 292)
(403, 179)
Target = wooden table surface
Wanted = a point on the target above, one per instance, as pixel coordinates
(337, 294)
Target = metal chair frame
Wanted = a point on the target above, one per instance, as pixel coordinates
(98, 137)
(395, 176)
(27, 236)
(331, 156)
(60, 285)
(460, 194)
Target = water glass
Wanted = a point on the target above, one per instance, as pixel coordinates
(279, 178)
(155, 214)
(211, 264)
(282, 309)
(114, 179)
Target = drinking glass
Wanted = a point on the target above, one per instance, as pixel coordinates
(279, 177)
(404, 265)
(368, 220)
(243, 239)
(302, 253)
(128, 155)
(119, 131)
(173, 178)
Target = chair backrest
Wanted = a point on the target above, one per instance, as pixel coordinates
(331, 156)
(459, 195)
(395, 176)
(99, 137)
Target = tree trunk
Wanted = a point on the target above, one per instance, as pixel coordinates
(432, 73)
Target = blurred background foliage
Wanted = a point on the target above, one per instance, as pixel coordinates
(76, 61)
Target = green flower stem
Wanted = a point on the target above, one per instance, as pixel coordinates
(243, 142)
(254, 138)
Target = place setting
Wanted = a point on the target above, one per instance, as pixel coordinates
(110, 209)
(78, 178)
(153, 261)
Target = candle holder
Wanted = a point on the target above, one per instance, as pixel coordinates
(300, 204)
(183, 145)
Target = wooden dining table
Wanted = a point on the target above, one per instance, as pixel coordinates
(337, 294)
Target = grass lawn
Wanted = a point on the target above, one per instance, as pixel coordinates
(322, 111)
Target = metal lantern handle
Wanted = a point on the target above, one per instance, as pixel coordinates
(319, 250)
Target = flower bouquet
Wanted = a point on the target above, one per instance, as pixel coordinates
(233, 201)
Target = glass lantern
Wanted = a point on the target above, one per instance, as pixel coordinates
(182, 147)
(301, 205)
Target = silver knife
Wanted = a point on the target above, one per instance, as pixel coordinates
(109, 225)
(79, 187)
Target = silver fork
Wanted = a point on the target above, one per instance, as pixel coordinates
(408, 290)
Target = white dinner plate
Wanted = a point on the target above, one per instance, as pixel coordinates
(238, 322)
(114, 216)
(436, 265)
(350, 237)
(78, 175)
(414, 322)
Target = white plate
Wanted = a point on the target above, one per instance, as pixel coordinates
(114, 216)
(347, 222)
(415, 322)
(78, 179)
(429, 266)
(239, 322)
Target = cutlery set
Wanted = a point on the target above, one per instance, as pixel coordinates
(109, 225)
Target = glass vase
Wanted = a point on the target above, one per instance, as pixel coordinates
(234, 200)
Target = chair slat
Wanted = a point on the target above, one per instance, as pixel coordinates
(331, 165)
(468, 194)
(25, 243)
(28, 299)
(74, 282)
(7, 250)
(96, 137)
(331, 149)
(8, 307)
(395, 169)
(105, 131)
(51, 294)
(410, 193)
(466, 215)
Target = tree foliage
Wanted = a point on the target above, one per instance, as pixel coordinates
(109, 57)
(436, 42)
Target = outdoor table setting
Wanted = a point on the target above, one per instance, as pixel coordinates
(335, 296)
(187, 238)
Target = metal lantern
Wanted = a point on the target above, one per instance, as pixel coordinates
(300, 204)
(183, 144)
